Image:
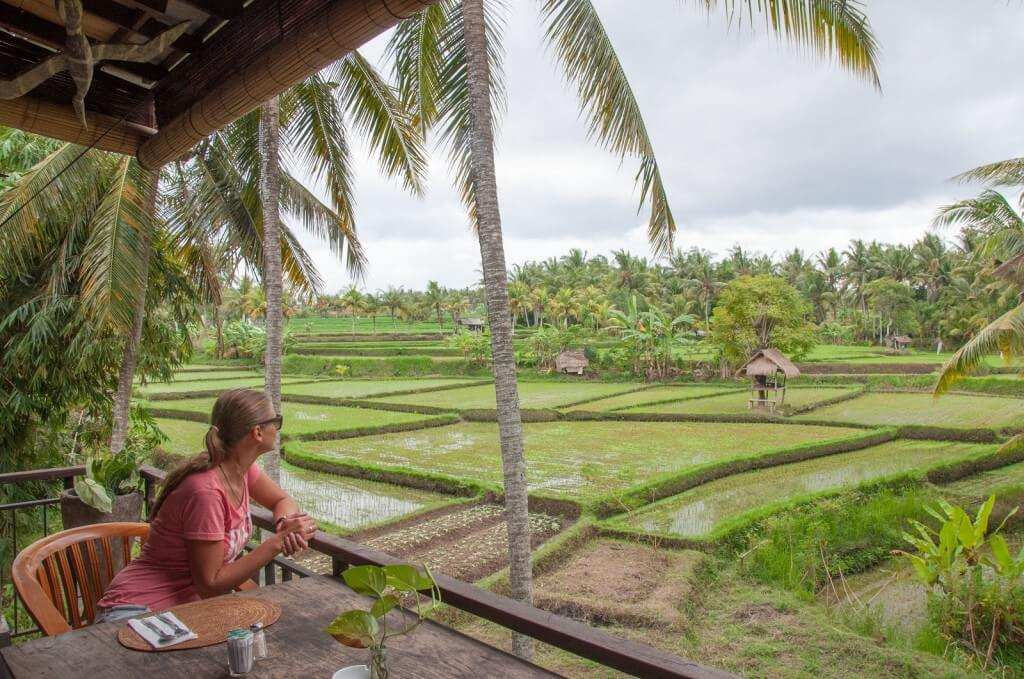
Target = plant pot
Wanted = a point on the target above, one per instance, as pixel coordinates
(76, 513)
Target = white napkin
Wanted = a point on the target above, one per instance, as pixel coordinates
(153, 638)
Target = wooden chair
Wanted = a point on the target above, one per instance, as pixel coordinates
(62, 576)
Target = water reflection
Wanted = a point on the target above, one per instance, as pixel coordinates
(351, 503)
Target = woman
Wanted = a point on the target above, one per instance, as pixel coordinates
(200, 521)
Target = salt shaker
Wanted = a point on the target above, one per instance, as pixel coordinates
(259, 641)
(240, 652)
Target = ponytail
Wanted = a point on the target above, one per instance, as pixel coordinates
(234, 414)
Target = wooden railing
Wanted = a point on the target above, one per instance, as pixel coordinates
(587, 642)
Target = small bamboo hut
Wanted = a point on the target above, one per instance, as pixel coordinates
(768, 371)
(473, 324)
(899, 343)
(571, 361)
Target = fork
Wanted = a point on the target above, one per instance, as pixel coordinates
(169, 621)
(162, 636)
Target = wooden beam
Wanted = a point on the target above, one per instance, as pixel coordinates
(61, 122)
(320, 40)
(137, 22)
(32, 28)
(222, 9)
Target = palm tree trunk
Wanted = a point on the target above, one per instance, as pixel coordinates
(125, 378)
(492, 255)
(270, 195)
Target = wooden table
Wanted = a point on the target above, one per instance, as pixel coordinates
(297, 643)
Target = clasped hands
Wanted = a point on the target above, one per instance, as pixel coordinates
(294, 532)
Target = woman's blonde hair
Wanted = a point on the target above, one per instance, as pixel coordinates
(234, 415)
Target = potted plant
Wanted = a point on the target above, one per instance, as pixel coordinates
(389, 587)
(108, 492)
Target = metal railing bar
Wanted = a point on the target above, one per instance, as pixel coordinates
(26, 504)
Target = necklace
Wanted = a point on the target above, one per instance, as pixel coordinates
(227, 482)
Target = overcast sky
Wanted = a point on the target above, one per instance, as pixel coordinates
(758, 143)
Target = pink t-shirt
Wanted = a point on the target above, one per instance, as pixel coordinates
(200, 508)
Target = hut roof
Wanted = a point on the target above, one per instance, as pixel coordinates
(572, 356)
(768, 362)
(473, 321)
(902, 339)
(212, 61)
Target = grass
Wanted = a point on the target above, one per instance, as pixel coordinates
(383, 324)
(185, 437)
(752, 630)
(699, 511)
(652, 395)
(197, 375)
(531, 395)
(737, 402)
(981, 485)
(573, 459)
(176, 387)
(924, 409)
(364, 388)
(301, 419)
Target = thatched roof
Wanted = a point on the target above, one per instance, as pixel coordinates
(768, 362)
(572, 357)
(902, 339)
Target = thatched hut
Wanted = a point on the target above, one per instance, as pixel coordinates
(473, 324)
(571, 361)
(899, 343)
(768, 370)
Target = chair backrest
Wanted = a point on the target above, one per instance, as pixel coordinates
(62, 576)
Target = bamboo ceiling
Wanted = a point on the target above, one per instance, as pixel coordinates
(233, 55)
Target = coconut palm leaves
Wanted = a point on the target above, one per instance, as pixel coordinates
(428, 55)
(317, 118)
(1002, 241)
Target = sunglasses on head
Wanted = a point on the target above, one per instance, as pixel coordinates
(276, 421)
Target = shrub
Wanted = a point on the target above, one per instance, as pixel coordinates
(243, 339)
(975, 593)
(474, 347)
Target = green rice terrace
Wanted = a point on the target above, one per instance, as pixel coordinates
(665, 486)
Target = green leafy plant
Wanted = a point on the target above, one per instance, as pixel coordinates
(389, 587)
(474, 346)
(976, 598)
(107, 477)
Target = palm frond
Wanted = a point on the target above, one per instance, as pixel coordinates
(416, 51)
(834, 29)
(1003, 173)
(112, 266)
(442, 55)
(1005, 336)
(320, 220)
(378, 113)
(588, 60)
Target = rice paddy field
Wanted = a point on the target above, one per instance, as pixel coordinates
(531, 395)
(573, 459)
(701, 510)
(250, 380)
(301, 419)
(363, 388)
(736, 402)
(951, 410)
(651, 395)
(594, 463)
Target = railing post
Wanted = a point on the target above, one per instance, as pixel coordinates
(337, 565)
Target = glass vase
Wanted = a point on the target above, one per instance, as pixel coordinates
(378, 663)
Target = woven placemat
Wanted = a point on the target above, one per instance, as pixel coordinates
(211, 620)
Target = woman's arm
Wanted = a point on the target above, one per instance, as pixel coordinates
(211, 576)
(270, 495)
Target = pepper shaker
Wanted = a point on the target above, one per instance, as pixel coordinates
(240, 652)
(259, 641)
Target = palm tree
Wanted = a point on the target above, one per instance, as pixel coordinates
(857, 270)
(705, 281)
(447, 59)
(393, 300)
(314, 122)
(434, 297)
(1001, 230)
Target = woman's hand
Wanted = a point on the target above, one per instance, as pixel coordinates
(294, 532)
